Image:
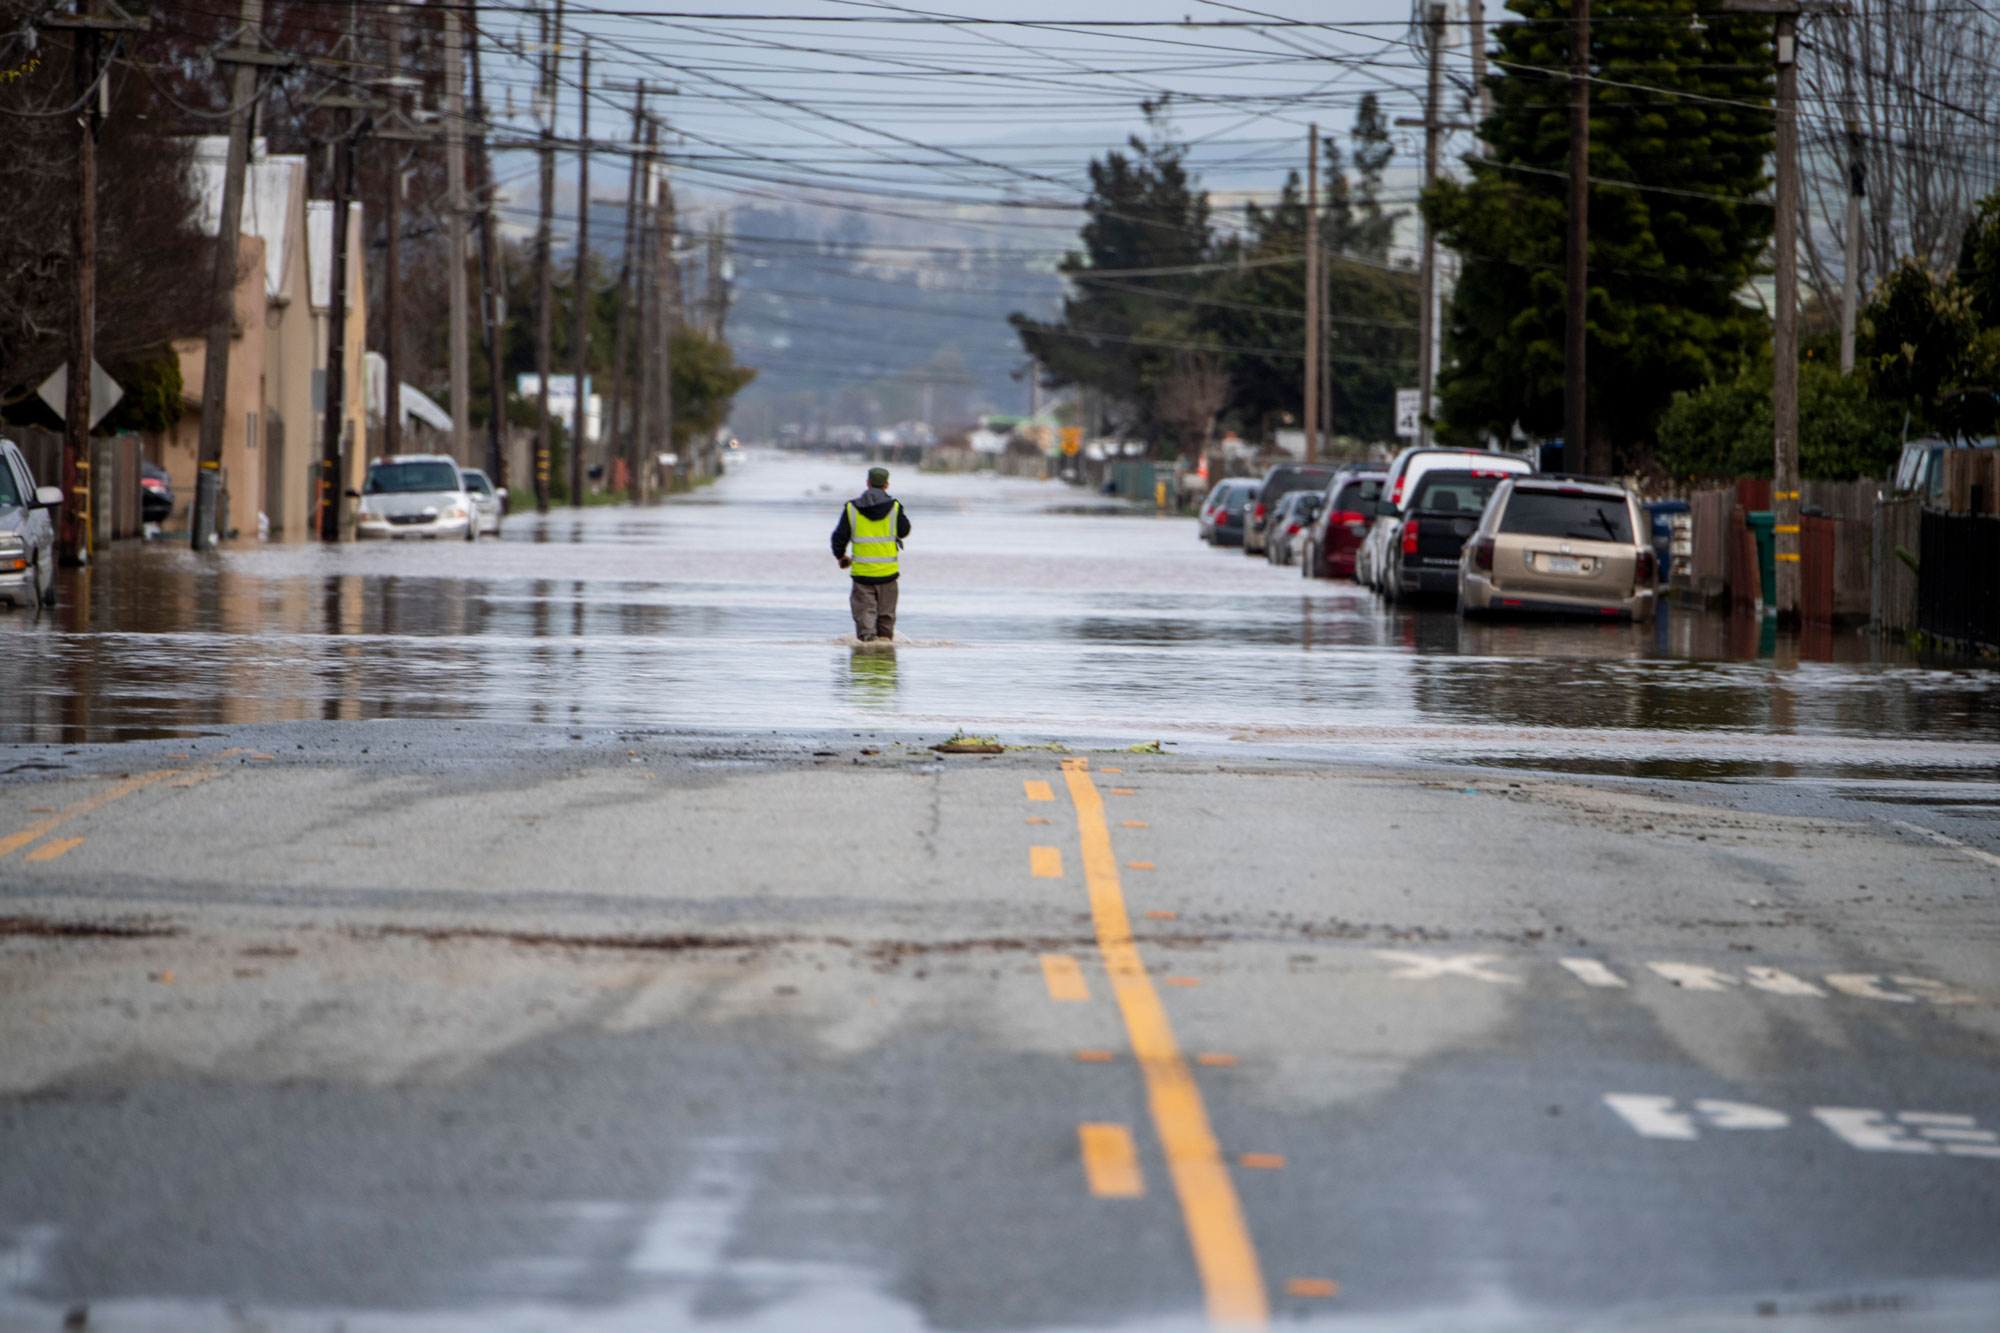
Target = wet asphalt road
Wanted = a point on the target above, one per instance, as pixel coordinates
(454, 938)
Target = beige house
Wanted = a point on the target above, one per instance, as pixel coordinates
(271, 438)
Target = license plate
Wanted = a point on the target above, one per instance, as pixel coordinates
(1563, 564)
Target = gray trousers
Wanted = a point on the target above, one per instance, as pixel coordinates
(874, 608)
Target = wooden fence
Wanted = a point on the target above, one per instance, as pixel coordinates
(1897, 524)
(114, 463)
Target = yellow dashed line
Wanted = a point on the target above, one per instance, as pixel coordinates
(49, 851)
(1045, 862)
(1037, 790)
(1110, 1162)
(1064, 978)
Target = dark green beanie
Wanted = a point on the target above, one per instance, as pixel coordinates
(878, 477)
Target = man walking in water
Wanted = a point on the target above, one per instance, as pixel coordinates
(874, 523)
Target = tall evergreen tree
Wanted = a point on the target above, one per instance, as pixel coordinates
(1259, 310)
(1129, 312)
(1680, 140)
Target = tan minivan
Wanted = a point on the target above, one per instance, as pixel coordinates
(1554, 544)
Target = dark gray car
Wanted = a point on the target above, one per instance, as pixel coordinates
(27, 533)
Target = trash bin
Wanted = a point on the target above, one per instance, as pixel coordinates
(1660, 519)
(1763, 527)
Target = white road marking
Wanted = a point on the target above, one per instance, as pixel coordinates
(1656, 1118)
(1424, 967)
(1869, 1130)
(1948, 841)
(1922, 1133)
(1693, 976)
(1739, 1115)
(1863, 985)
(1936, 991)
(1593, 973)
(1780, 983)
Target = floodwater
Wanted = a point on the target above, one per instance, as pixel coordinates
(1036, 611)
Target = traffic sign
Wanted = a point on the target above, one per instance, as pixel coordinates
(1072, 440)
(1409, 411)
(104, 393)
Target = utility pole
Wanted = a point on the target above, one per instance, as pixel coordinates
(1475, 18)
(456, 215)
(667, 274)
(491, 312)
(202, 522)
(718, 279)
(75, 538)
(544, 261)
(333, 407)
(1850, 295)
(1785, 319)
(1785, 325)
(392, 252)
(1576, 269)
(1433, 130)
(621, 336)
(580, 352)
(1311, 366)
(644, 409)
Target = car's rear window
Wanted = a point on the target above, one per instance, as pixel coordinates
(1285, 480)
(395, 478)
(1455, 492)
(8, 494)
(1359, 492)
(477, 483)
(1584, 517)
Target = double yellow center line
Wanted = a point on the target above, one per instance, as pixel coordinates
(1231, 1278)
(41, 828)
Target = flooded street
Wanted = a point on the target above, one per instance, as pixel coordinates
(1036, 610)
(578, 931)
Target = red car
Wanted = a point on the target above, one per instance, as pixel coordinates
(1337, 530)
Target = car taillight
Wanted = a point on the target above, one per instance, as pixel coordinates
(1396, 495)
(1347, 516)
(153, 484)
(1642, 568)
(1257, 514)
(1410, 537)
(1293, 528)
(1482, 553)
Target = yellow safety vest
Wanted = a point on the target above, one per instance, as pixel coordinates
(874, 542)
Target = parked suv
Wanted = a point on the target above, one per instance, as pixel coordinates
(1327, 547)
(1294, 514)
(1444, 507)
(1372, 562)
(1555, 544)
(27, 535)
(415, 495)
(1279, 482)
(1221, 522)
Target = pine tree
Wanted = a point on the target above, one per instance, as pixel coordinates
(1680, 140)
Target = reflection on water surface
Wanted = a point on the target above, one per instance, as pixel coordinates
(1034, 615)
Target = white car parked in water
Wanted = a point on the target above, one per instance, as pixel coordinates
(415, 495)
(488, 502)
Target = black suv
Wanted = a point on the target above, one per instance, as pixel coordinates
(1279, 482)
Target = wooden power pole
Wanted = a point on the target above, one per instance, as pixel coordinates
(1428, 281)
(492, 313)
(1312, 294)
(392, 245)
(456, 215)
(580, 351)
(646, 317)
(1576, 268)
(204, 520)
(621, 335)
(544, 261)
(1785, 323)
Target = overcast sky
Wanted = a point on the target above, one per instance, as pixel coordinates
(774, 98)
